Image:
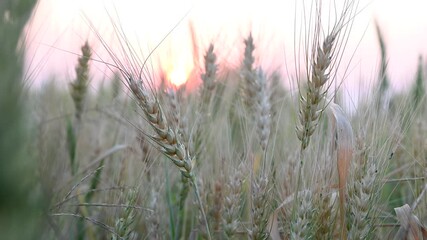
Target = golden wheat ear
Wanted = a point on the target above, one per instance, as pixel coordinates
(342, 147)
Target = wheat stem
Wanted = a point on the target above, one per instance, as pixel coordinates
(199, 201)
(167, 139)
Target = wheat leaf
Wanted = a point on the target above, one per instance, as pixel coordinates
(410, 226)
(343, 145)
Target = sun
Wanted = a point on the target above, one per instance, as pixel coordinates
(178, 68)
(178, 75)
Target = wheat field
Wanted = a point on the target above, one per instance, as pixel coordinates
(239, 156)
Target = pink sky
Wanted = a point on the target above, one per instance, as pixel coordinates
(60, 27)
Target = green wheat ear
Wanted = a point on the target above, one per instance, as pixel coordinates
(79, 86)
(125, 224)
(78, 91)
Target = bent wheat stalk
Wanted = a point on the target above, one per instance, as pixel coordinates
(165, 137)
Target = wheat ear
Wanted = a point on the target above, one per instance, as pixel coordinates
(304, 214)
(125, 224)
(263, 110)
(310, 108)
(80, 84)
(360, 192)
(310, 104)
(165, 137)
(211, 68)
(260, 208)
(231, 209)
(249, 87)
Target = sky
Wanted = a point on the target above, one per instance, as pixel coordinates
(60, 27)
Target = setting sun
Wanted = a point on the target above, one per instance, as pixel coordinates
(177, 65)
(178, 75)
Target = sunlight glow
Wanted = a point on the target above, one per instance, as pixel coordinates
(178, 75)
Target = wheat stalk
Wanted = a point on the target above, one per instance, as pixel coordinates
(322, 65)
(165, 137)
(309, 114)
(322, 62)
(310, 108)
(80, 85)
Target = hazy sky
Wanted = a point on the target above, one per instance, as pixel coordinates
(60, 27)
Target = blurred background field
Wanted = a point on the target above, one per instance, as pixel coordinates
(83, 157)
